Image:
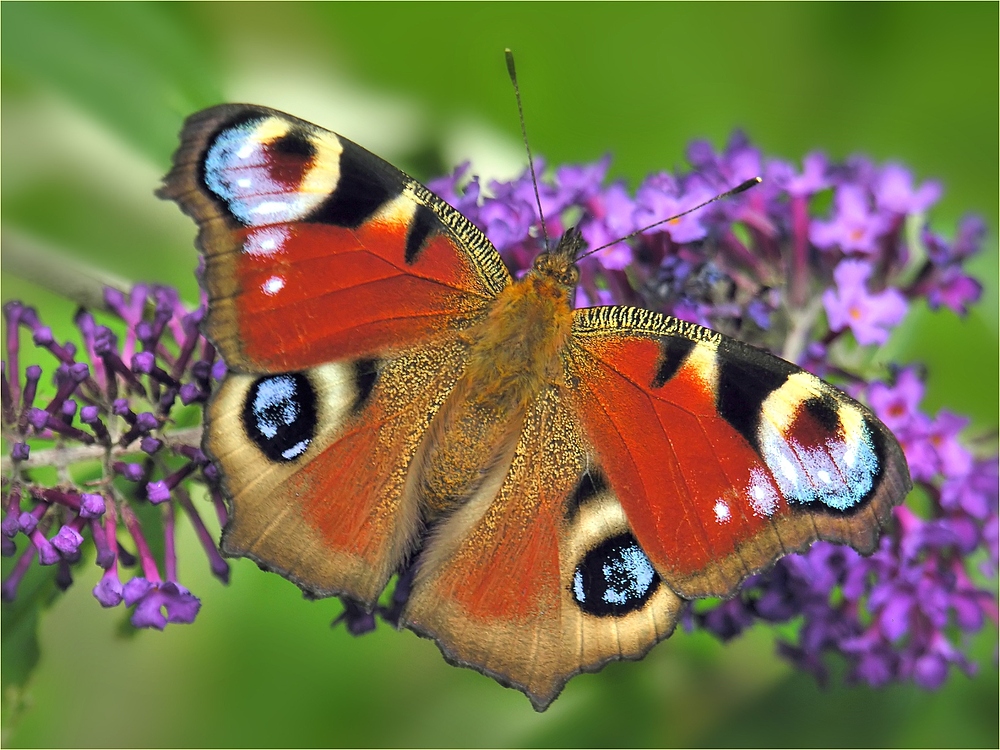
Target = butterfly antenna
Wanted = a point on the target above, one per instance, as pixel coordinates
(743, 186)
(524, 134)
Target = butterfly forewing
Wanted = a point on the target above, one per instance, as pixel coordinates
(315, 249)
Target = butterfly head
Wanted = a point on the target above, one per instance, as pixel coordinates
(559, 264)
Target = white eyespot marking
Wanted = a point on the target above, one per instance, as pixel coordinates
(787, 469)
(838, 472)
(400, 210)
(722, 512)
(276, 405)
(850, 457)
(271, 208)
(763, 497)
(273, 285)
(628, 576)
(258, 184)
(578, 590)
(266, 241)
(296, 450)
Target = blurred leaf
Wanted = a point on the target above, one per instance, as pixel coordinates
(129, 64)
(19, 636)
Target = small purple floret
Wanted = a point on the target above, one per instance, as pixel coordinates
(27, 521)
(162, 603)
(38, 418)
(109, 591)
(47, 554)
(91, 505)
(158, 492)
(20, 451)
(143, 362)
(43, 336)
(132, 472)
(67, 541)
(150, 445)
(146, 421)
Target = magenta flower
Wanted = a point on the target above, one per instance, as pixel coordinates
(869, 316)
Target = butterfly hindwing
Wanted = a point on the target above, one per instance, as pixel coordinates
(540, 577)
(725, 457)
(317, 250)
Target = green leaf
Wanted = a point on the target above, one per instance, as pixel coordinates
(19, 636)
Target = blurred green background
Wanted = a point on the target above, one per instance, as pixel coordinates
(93, 96)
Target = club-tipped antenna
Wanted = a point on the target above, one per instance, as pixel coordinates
(745, 185)
(524, 134)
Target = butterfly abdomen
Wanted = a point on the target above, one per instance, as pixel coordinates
(514, 353)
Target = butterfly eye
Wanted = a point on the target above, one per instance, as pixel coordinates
(280, 415)
(614, 578)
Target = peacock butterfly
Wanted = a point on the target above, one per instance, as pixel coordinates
(557, 480)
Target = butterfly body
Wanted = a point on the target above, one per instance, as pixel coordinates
(554, 480)
(514, 353)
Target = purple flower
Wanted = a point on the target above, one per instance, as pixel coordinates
(109, 591)
(813, 179)
(897, 405)
(659, 198)
(91, 506)
(67, 541)
(855, 226)
(952, 457)
(894, 191)
(931, 667)
(610, 218)
(157, 492)
(159, 603)
(973, 492)
(954, 290)
(868, 316)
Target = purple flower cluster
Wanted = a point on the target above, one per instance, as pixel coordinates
(113, 403)
(906, 612)
(737, 264)
(763, 267)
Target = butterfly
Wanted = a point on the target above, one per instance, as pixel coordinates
(558, 481)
